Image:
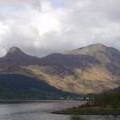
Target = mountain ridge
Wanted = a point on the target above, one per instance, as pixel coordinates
(91, 69)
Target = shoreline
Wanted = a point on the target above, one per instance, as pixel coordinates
(88, 111)
(115, 113)
(24, 101)
(14, 101)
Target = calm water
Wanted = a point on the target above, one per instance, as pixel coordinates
(41, 111)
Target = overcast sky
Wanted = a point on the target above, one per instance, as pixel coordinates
(40, 27)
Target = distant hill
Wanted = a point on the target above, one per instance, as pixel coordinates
(91, 69)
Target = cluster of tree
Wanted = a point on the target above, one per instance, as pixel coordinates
(108, 99)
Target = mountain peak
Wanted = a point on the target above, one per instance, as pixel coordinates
(15, 56)
(14, 50)
(96, 47)
(89, 50)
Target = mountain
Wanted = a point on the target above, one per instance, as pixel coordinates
(102, 53)
(17, 57)
(91, 69)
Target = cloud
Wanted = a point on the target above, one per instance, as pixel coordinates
(41, 27)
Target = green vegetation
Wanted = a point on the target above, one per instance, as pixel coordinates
(104, 104)
(108, 100)
(76, 118)
(90, 111)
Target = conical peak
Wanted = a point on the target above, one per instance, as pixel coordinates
(14, 50)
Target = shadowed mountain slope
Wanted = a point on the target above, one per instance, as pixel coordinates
(23, 87)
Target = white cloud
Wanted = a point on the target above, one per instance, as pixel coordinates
(47, 20)
(44, 26)
(3, 29)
